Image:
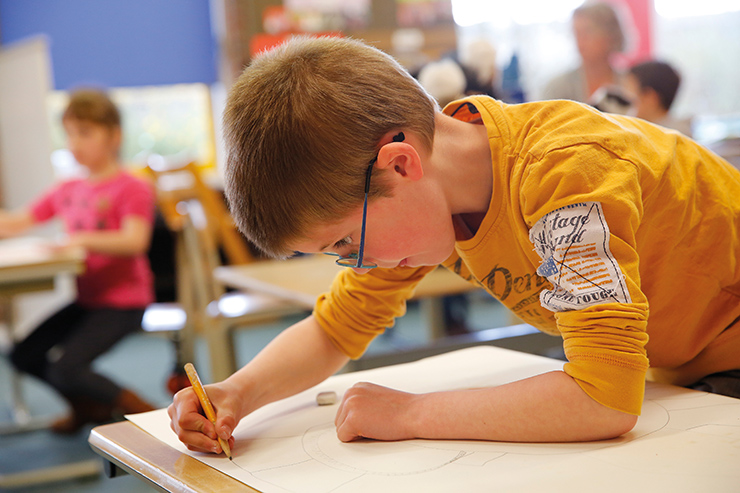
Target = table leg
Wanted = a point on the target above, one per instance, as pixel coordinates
(433, 312)
(21, 420)
(47, 475)
(221, 349)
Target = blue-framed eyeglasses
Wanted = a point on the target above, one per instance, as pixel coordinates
(355, 260)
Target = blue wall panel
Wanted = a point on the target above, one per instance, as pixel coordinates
(118, 43)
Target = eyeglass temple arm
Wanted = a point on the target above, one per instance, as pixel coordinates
(399, 137)
(360, 255)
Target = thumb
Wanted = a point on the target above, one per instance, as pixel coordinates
(225, 425)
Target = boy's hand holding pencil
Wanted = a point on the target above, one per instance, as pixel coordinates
(203, 420)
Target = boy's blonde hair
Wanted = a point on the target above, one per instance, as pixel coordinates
(302, 124)
(92, 105)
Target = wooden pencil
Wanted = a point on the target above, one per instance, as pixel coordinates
(205, 403)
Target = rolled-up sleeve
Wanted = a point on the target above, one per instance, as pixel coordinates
(584, 215)
(360, 307)
(605, 347)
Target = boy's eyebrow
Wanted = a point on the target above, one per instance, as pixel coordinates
(327, 246)
(331, 244)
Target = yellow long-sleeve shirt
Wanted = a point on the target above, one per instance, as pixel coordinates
(611, 232)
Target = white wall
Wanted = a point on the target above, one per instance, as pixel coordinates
(25, 142)
(25, 166)
(706, 50)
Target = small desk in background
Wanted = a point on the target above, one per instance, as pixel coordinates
(27, 265)
(303, 279)
(685, 441)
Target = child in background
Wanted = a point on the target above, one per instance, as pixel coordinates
(601, 229)
(109, 214)
(653, 86)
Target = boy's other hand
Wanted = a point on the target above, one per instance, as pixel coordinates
(193, 428)
(372, 411)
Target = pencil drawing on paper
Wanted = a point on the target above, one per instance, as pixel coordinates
(319, 444)
(292, 446)
(321, 455)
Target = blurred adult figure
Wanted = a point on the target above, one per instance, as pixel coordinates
(478, 60)
(444, 80)
(599, 36)
(653, 86)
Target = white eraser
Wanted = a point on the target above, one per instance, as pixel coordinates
(326, 398)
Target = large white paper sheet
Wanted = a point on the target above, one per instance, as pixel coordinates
(684, 441)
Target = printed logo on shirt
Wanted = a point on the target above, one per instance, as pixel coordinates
(103, 205)
(518, 287)
(573, 243)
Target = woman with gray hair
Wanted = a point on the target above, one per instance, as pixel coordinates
(599, 36)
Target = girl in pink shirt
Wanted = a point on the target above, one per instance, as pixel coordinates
(109, 214)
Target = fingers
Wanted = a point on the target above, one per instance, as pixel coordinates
(372, 411)
(349, 414)
(344, 423)
(347, 433)
(225, 424)
(192, 428)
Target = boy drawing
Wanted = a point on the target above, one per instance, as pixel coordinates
(604, 230)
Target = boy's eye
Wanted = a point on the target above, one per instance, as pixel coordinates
(344, 242)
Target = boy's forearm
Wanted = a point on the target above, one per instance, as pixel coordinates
(546, 408)
(299, 358)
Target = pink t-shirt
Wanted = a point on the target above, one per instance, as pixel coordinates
(108, 281)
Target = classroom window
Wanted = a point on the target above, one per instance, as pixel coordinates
(503, 13)
(173, 120)
(692, 8)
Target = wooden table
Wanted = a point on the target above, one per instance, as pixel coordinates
(27, 265)
(684, 441)
(127, 448)
(303, 279)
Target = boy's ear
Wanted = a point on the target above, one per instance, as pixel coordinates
(401, 158)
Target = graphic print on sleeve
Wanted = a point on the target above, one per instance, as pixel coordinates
(573, 243)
